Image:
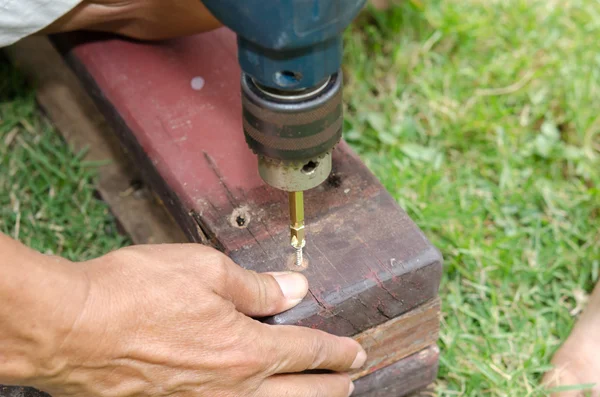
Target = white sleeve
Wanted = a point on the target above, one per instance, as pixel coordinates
(21, 18)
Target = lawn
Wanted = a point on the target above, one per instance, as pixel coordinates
(47, 195)
(480, 117)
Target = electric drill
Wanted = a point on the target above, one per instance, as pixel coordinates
(290, 53)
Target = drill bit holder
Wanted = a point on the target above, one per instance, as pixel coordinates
(294, 131)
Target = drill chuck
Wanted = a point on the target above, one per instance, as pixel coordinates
(293, 132)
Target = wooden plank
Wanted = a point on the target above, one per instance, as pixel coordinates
(408, 376)
(72, 111)
(399, 338)
(368, 262)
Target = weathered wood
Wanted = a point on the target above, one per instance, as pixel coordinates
(399, 338)
(403, 378)
(83, 127)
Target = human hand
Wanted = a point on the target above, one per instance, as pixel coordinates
(139, 19)
(173, 320)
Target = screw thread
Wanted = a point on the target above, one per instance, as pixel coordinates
(299, 259)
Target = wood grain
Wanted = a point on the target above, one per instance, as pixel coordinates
(399, 338)
(408, 376)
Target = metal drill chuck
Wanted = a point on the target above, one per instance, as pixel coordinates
(293, 132)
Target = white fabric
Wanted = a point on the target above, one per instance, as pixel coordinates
(21, 18)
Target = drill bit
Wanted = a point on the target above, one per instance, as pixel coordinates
(297, 231)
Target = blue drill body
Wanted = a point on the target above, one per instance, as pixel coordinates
(288, 44)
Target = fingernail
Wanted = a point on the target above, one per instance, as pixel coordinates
(351, 389)
(293, 285)
(360, 359)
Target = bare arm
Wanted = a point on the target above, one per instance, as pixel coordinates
(40, 297)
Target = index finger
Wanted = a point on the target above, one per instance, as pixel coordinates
(297, 349)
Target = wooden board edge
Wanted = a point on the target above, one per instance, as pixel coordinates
(411, 375)
(399, 338)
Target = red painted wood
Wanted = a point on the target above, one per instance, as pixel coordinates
(151, 87)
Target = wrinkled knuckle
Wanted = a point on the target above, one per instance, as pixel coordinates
(246, 361)
(318, 352)
(249, 367)
(219, 270)
(266, 297)
(271, 360)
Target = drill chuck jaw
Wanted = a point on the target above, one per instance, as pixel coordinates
(293, 132)
(290, 52)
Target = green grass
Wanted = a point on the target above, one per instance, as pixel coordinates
(480, 116)
(46, 192)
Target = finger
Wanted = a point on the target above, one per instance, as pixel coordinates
(330, 385)
(138, 19)
(299, 349)
(183, 18)
(259, 295)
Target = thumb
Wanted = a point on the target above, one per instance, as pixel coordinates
(259, 295)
